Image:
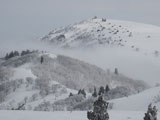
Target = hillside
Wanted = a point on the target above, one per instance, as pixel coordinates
(25, 80)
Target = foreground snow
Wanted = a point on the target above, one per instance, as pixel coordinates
(78, 115)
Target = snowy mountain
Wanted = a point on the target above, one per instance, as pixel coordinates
(89, 33)
(94, 32)
(29, 81)
(112, 43)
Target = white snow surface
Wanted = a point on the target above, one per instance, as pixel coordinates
(138, 102)
(67, 115)
(51, 55)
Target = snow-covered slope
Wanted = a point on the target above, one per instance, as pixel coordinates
(132, 47)
(71, 72)
(138, 102)
(25, 80)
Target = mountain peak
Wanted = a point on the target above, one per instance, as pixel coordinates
(91, 32)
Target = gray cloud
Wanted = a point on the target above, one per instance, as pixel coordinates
(25, 20)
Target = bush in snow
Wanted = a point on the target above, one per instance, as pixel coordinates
(117, 92)
(68, 103)
(82, 92)
(103, 19)
(71, 94)
(60, 38)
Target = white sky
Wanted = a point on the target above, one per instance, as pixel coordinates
(23, 20)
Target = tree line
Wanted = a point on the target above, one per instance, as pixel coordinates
(16, 53)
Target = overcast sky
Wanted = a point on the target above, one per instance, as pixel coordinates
(30, 19)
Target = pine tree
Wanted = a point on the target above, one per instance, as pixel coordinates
(23, 53)
(116, 71)
(95, 92)
(16, 53)
(42, 59)
(11, 54)
(107, 89)
(79, 92)
(101, 90)
(82, 92)
(7, 57)
(99, 110)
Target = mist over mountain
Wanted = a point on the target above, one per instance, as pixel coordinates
(132, 47)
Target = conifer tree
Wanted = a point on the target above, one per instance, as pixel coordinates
(99, 110)
(101, 91)
(42, 59)
(94, 92)
(71, 94)
(107, 89)
(82, 92)
(151, 113)
(116, 71)
(7, 57)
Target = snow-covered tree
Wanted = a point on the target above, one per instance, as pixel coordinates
(151, 113)
(99, 110)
